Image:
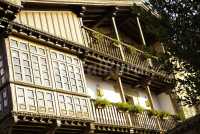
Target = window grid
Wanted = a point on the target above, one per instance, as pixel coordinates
(66, 104)
(40, 66)
(21, 98)
(21, 61)
(31, 64)
(67, 72)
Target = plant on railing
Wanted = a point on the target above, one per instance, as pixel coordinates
(163, 115)
(152, 113)
(102, 103)
(136, 109)
(123, 106)
(131, 49)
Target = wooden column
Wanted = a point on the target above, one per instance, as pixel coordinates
(140, 29)
(150, 98)
(117, 35)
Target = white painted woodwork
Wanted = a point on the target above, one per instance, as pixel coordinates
(63, 24)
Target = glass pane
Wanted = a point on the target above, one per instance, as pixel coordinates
(44, 68)
(58, 78)
(49, 104)
(59, 84)
(16, 61)
(13, 43)
(31, 102)
(77, 70)
(28, 78)
(34, 59)
(17, 69)
(68, 99)
(75, 61)
(77, 101)
(18, 76)
(62, 106)
(70, 68)
(85, 109)
(45, 75)
(26, 63)
(27, 71)
(43, 61)
(78, 108)
(15, 53)
(21, 100)
(25, 56)
(49, 96)
(53, 55)
(47, 83)
(23, 46)
(61, 98)
(73, 82)
(69, 59)
(78, 76)
(72, 75)
(41, 103)
(70, 107)
(61, 57)
(36, 73)
(41, 51)
(30, 94)
(20, 91)
(37, 80)
(33, 49)
(35, 66)
(40, 95)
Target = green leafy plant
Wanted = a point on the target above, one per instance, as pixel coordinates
(102, 103)
(123, 106)
(152, 113)
(163, 115)
(179, 116)
(136, 109)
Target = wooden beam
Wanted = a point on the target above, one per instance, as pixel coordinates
(101, 20)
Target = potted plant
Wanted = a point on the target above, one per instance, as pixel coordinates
(136, 109)
(101, 103)
(123, 106)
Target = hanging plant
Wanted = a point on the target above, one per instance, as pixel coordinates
(102, 103)
(123, 106)
(136, 109)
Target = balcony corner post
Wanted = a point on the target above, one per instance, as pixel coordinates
(141, 32)
(117, 35)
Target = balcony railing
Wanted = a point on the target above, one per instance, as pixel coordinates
(109, 46)
(111, 116)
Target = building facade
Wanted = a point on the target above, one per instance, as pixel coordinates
(57, 55)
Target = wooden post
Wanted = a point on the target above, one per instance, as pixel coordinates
(150, 98)
(117, 35)
(140, 29)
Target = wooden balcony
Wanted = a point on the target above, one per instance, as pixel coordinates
(111, 47)
(111, 116)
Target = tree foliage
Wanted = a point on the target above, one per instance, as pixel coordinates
(180, 34)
